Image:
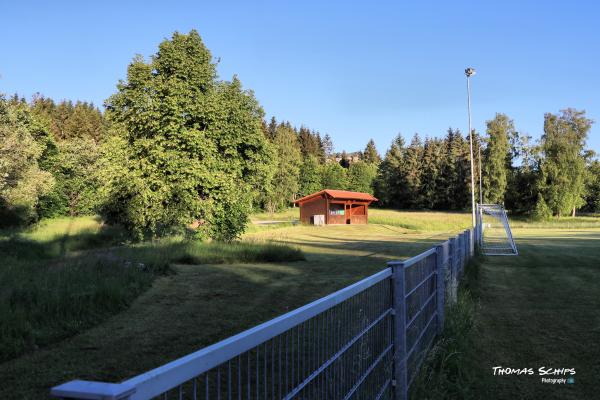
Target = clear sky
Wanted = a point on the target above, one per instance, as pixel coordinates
(355, 70)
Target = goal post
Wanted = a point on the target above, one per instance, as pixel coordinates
(494, 235)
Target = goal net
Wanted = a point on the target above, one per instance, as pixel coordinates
(493, 231)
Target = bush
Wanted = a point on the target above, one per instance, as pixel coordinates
(541, 212)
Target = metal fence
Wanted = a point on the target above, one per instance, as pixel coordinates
(366, 341)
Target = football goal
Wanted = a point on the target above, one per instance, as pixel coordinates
(493, 231)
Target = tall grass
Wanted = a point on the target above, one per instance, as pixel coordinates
(450, 368)
(67, 275)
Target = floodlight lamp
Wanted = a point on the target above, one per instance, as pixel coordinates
(469, 72)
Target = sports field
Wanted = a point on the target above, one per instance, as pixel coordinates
(538, 309)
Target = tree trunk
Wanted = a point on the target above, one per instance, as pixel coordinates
(573, 214)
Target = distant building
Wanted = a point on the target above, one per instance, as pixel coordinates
(330, 207)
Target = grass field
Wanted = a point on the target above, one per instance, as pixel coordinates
(541, 309)
(538, 309)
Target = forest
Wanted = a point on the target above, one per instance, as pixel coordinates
(176, 149)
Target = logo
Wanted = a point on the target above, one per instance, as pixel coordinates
(549, 375)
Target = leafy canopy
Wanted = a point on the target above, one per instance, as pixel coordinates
(186, 147)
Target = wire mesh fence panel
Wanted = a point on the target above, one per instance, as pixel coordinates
(494, 231)
(344, 352)
(421, 311)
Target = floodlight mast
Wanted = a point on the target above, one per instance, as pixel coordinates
(470, 72)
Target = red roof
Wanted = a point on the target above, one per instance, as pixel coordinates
(339, 195)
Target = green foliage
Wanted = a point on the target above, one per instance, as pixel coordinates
(562, 169)
(75, 171)
(183, 141)
(413, 172)
(496, 160)
(431, 172)
(541, 212)
(310, 176)
(592, 198)
(370, 155)
(390, 182)
(361, 176)
(334, 176)
(287, 170)
(434, 175)
(66, 120)
(23, 146)
(311, 144)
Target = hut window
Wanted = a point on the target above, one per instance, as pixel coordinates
(336, 209)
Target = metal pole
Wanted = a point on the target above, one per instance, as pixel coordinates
(468, 73)
(480, 174)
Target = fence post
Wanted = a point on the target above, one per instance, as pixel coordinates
(452, 262)
(400, 382)
(92, 390)
(441, 286)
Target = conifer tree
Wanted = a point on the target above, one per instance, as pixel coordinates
(370, 155)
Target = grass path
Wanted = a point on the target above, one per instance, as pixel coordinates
(542, 309)
(201, 304)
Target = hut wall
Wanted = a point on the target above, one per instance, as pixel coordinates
(316, 206)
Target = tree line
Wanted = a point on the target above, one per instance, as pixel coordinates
(177, 148)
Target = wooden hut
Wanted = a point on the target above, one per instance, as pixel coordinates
(329, 207)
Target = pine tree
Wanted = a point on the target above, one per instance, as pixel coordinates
(430, 174)
(390, 183)
(327, 145)
(370, 154)
(285, 185)
(413, 171)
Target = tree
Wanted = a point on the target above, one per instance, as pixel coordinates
(361, 176)
(75, 172)
(592, 198)
(310, 176)
(334, 176)
(497, 158)
(370, 154)
(390, 184)
(327, 145)
(413, 172)
(454, 178)
(185, 147)
(562, 170)
(430, 173)
(287, 170)
(23, 142)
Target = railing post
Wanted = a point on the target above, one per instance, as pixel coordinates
(399, 304)
(441, 286)
(453, 263)
(89, 390)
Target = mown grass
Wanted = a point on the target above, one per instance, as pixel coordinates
(424, 221)
(66, 275)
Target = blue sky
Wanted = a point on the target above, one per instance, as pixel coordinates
(355, 70)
